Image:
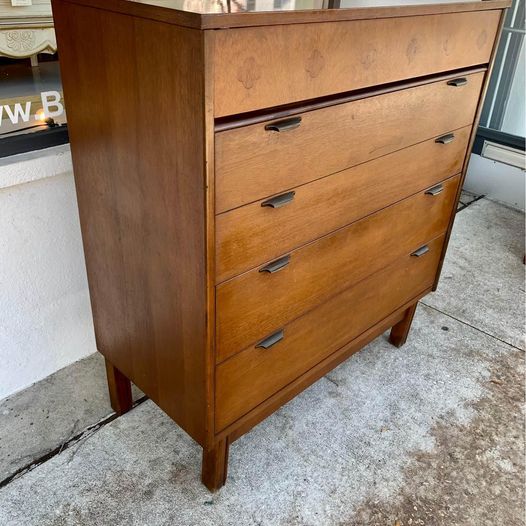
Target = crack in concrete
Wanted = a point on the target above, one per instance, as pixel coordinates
(82, 437)
(465, 205)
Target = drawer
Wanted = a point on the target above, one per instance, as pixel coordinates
(262, 67)
(252, 376)
(253, 162)
(253, 234)
(255, 304)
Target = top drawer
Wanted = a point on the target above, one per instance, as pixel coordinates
(261, 67)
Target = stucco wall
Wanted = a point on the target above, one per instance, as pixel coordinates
(45, 315)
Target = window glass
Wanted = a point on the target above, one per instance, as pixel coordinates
(504, 108)
(31, 97)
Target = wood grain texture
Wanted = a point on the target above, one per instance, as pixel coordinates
(271, 66)
(251, 235)
(215, 465)
(253, 163)
(252, 376)
(209, 151)
(400, 331)
(136, 124)
(251, 306)
(119, 388)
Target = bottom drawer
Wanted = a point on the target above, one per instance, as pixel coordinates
(255, 374)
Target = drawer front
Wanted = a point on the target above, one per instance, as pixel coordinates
(262, 67)
(259, 302)
(253, 162)
(253, 234)
(252, 376)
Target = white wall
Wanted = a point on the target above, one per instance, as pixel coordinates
(497, 181)
(45, 315)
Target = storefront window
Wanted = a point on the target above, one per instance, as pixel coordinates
(504, 106)
(31, 100)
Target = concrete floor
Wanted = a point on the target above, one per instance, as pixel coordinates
(429, 434)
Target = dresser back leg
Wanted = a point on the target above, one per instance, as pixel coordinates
(120, 389)
(400, 331)
(215, 465)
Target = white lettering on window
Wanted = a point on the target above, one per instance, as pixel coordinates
(18, 112)
(51, 99)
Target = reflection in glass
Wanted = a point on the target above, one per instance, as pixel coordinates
(504, 108)
(30, 86)
(30, 96)
(239, 6)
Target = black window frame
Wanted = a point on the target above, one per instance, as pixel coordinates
(34, 141)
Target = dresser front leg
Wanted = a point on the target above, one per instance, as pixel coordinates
(400, 331)
(215, 465)
(120, 389)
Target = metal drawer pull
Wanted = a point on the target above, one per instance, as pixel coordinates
(435, 190)
(461, 81)
(276, 265)
(284, 125)
(279, 200)
(446, 139)
(421, 251)
(271, 340)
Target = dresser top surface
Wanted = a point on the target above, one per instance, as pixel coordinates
(218, 14)
(277, 6)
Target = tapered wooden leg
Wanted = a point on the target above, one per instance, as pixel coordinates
(215, 465)
(400, 331)
(120, 390)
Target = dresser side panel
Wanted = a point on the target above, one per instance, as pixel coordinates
(134, 91)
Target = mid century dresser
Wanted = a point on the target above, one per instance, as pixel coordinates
(261, 194)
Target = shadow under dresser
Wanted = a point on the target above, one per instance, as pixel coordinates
(262, 193)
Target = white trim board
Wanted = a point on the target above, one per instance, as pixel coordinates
(503, 154)
(497, 181)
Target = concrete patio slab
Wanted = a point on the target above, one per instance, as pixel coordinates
(353, 440)
(482, 280)
(37, 420)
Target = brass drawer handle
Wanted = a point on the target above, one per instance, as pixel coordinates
(271, 340)
(446, 139)
(424, 249)
(435, 190)
(461, 81)
(273, 267)
(284, 125)
(279, 200)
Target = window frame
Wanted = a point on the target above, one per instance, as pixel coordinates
(30, 142)
(499, 87)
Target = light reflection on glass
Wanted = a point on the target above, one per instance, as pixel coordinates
(239, 6)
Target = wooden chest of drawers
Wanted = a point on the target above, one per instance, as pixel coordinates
(261, 194)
